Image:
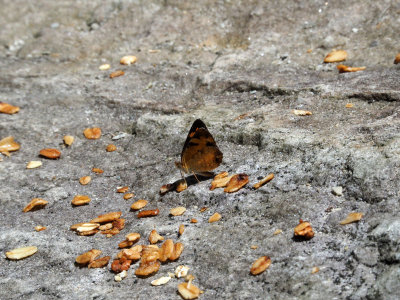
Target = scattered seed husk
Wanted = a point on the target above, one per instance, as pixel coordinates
(117, 73)
(181, 186)
(123, 189)
(104, 67)
(181, 271)
(260, 265)
(193, 220)
(100, 262)
(278, 231)
(87, 227)
(236, 183)
(345, 69)
(349, 105)
(397, 59)
(214, 218)
(181, 229)
(304, 230)
(111, 148)
(314, 270)
(40, 228)
(80, 200)
(9, 109)
(139, 204)
(128, 196)
(263, 181)
(148, 213)
(336, 56)
(92, 133)
(300, 112)
(154, 237)
(177, 211)
(97, 171)
(109, 217)
(8, 145)
(33, 164)
(35, 204)
(220, 180)
(21, 253)
(254, 247)
(352, 217)
(161, 281)
(68, 140)
(188, 290)
(87, 257)
(50, 153)
(85, 180)
(128, 60)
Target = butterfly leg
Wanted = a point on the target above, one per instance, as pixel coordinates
(196, 177)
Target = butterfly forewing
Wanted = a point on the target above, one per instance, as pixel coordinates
(200, 152)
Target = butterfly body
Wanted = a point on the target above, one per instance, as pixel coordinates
(200, 153)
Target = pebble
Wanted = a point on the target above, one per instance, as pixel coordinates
(337, 190)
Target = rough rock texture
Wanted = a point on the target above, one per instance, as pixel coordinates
(216, 60)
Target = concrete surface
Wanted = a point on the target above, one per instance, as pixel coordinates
(216, 60)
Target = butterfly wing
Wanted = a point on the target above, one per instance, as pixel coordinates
(200, 152)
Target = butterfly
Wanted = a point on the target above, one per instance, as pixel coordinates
(200, 153)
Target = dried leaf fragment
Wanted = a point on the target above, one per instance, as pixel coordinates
(92, 133)
(177, 211)
(300, 112)
(85, 180)
(345, 69)
(34, 164)
(21, 253)
(68, 140)
(87, 257)
(117, 73)
(304, 230)
(6, 108)
(139, 204)
(148, 213)
(111, 148)
(100, 262)
(80, 200)
(236, 183)
(161, 280)
(263, 181)
(50, 153)
(109, 217)
(128, 60)
(260, 265)
(188, 290)
(336, 56)
(35, 204)
(154, 237)
(214, 218)
(397, 59)
(352, 217)
(8, 145)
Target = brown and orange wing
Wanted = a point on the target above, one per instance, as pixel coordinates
(200, 152)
